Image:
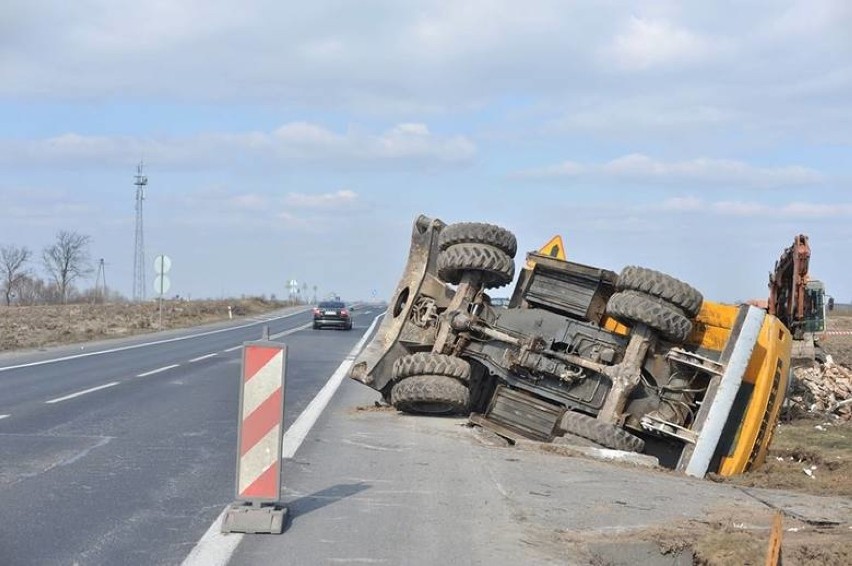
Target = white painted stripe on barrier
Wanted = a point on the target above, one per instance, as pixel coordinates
(258, 459)
(80, 393)
(158, 370)
(205, 357)
(263, 384)
(215, 548)
(143, 345)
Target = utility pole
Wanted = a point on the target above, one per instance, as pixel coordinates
(139, 251)
(101, 294)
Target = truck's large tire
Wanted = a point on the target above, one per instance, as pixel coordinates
(602, 433)
(478, 233)
(662, 286)
(494, 266)
(427, 363)
(633, 306)
(431, 395)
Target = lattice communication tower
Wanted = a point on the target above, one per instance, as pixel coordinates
(141, 182)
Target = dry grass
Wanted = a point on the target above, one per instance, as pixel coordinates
(41, 326)
(823, 448)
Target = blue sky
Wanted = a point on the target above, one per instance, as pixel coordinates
(293, 140)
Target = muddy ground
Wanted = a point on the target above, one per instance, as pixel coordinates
(811, 454)
(722, 538)
(839, 346)
(41, 326)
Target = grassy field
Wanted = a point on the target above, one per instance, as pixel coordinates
(41, 326)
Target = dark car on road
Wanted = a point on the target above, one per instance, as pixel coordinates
(333, 314)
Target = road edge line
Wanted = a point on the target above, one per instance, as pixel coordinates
(145, 344)
(215, 548)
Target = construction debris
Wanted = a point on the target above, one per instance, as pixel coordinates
(823, 388)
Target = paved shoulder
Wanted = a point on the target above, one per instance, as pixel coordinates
(371, 485)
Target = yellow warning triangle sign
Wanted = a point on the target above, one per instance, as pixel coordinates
(553, 248)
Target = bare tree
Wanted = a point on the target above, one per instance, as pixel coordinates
(13, 269)
(31, 291)
(67, 259)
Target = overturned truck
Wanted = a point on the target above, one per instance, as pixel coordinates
(635, 361)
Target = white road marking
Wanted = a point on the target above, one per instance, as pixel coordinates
(158, 370)
(216, 548)
(83, 392)
(199, 358)
(143, 345)
(4, 417)
(291, 331)
(274, 336)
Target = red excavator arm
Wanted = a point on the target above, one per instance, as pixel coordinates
(787, 285)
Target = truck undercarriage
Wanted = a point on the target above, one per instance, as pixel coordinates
(632, 361)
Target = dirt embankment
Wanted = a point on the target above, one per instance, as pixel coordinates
(839, 345)
(811, 453)
(811, 450)
(40, 326)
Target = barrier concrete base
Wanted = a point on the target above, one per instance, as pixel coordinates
(255, 518)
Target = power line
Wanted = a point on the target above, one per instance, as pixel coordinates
(101, 294)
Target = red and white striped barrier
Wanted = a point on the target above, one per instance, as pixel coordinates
(261, 422)
(837, 333)
(259, 441)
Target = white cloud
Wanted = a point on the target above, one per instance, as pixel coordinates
(321, 200)
(793, 210)
(563, 169)
(754, 68)
(816, 210)
(409, 143)
(637, 167)
(649, 115)
(251, 201)
(738, 208)
(44, 207)
(647, 44)
(221, 206)
(683, 204)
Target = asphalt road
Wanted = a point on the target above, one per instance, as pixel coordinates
(124, 452)
(127, 457)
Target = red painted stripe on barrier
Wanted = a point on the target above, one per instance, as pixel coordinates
(265, 485)
(261, 421)
(256, 358)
